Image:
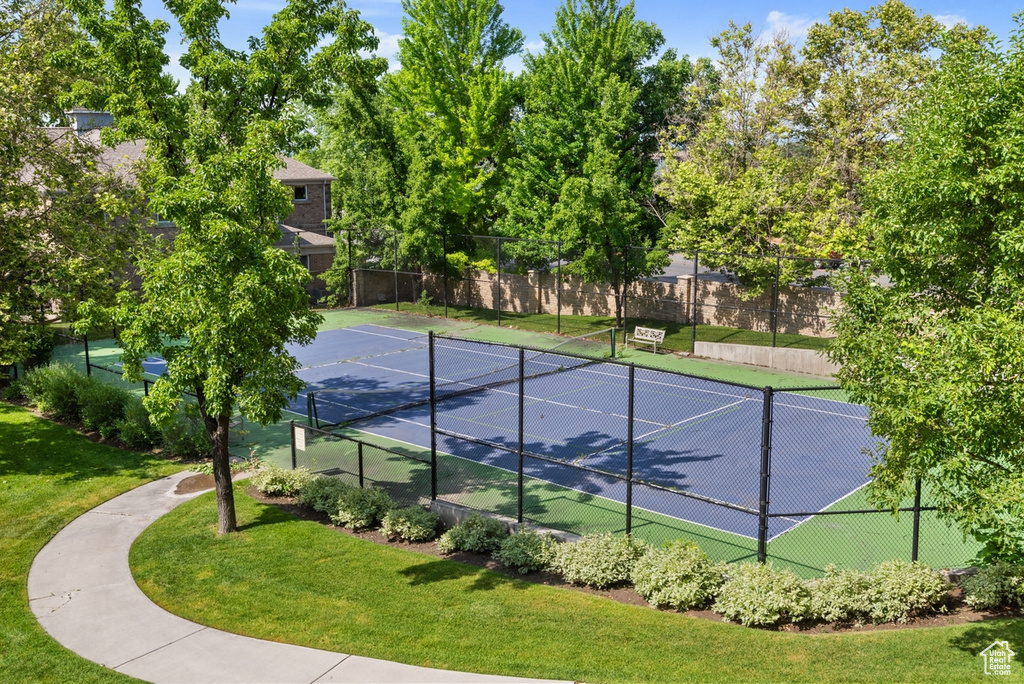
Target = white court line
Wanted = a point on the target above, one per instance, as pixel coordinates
(418, 335)
(828, 413)
(812, 517)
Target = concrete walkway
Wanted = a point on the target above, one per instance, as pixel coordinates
(83, 594)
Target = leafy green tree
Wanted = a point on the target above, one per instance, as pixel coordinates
(938, 354)
(56, 246)
(736, 177)
(454, 102)
(778, 165)
(221, 304)
(593, 104)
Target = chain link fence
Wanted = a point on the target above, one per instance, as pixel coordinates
(582, 443)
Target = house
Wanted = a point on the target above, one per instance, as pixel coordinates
(303, 232)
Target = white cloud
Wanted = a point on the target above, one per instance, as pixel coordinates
(951, 20)
(534, 46)
(792, 26)
(387, 46)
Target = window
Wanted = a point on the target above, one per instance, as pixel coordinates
(300, 193)
(304, 259)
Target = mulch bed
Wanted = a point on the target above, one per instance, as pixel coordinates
(957, 612)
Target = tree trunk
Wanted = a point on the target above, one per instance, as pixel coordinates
(218, 427)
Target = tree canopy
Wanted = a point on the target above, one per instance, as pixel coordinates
(56, 245)
(937, 354)
(221, 303)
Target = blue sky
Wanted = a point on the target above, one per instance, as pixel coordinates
(686, 25)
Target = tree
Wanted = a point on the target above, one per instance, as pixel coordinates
(593, 103)
(56, 246)
(778, 165)
(221, 304)
(735, 177)
(454, 103)
(938, 355)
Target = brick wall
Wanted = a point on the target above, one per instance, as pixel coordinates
(804, 311)
(310, 213)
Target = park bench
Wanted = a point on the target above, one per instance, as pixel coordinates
(651, 336)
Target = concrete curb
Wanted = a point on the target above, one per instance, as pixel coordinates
(83, 594)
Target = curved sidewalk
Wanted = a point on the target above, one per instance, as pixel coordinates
(83, 594)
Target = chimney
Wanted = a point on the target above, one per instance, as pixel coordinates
(83, 120)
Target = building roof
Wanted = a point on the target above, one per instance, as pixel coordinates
(294, 171)
(122, 158)
(309, 242)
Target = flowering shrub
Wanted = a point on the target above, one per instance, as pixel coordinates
(273, 480)
(758, 594)
(526, 551)
(598, 560)
(361, 508)
(476, 533)
(678, 575)
(411, 524)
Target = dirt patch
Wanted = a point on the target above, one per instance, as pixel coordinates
(957, 612)
(199, 482)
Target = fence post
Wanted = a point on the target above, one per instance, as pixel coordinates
(497, 265)
(360, 447)
(145, 387)
(433, 420)
(693, 308)
(522, 393)
(396, 272)
(629, 451)
(351, 271)
(558, 289)
(309, 409)
(625, 289)
(917, 521)
(444, 268)
(88, 365)
(291, 434)
(775, 302)
(766, 463)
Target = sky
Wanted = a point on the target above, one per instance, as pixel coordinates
(686, 24)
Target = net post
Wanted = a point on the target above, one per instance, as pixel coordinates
(433, 419)
(693, 307)
(396, 272)
(629, 451)
(444, 268)
(291, 434)
(497, 265)
(775, 301)
(766, 462)
(558, 290)
(522, 394)
(88, 364)
(613, 343)
(360, 448)
(917, 521)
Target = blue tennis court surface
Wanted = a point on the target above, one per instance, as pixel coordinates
(691, 435)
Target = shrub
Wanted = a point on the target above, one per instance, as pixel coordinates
(273, 480)
(361, 508)
(477, 534)
(185, 434)
(678, 575)
(900, 590)
(841, 596)
(526, 551)
(54, 389)
(135, 428)
(411, 524)
(995, 586)
(322, 493)
(14, 391)
(758, 594)
(103, 406)
(598, 560)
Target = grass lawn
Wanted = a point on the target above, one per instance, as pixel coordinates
(285, 579)
(49, 475)
(678, 336)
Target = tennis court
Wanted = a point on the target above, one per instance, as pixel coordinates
(695, 436)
